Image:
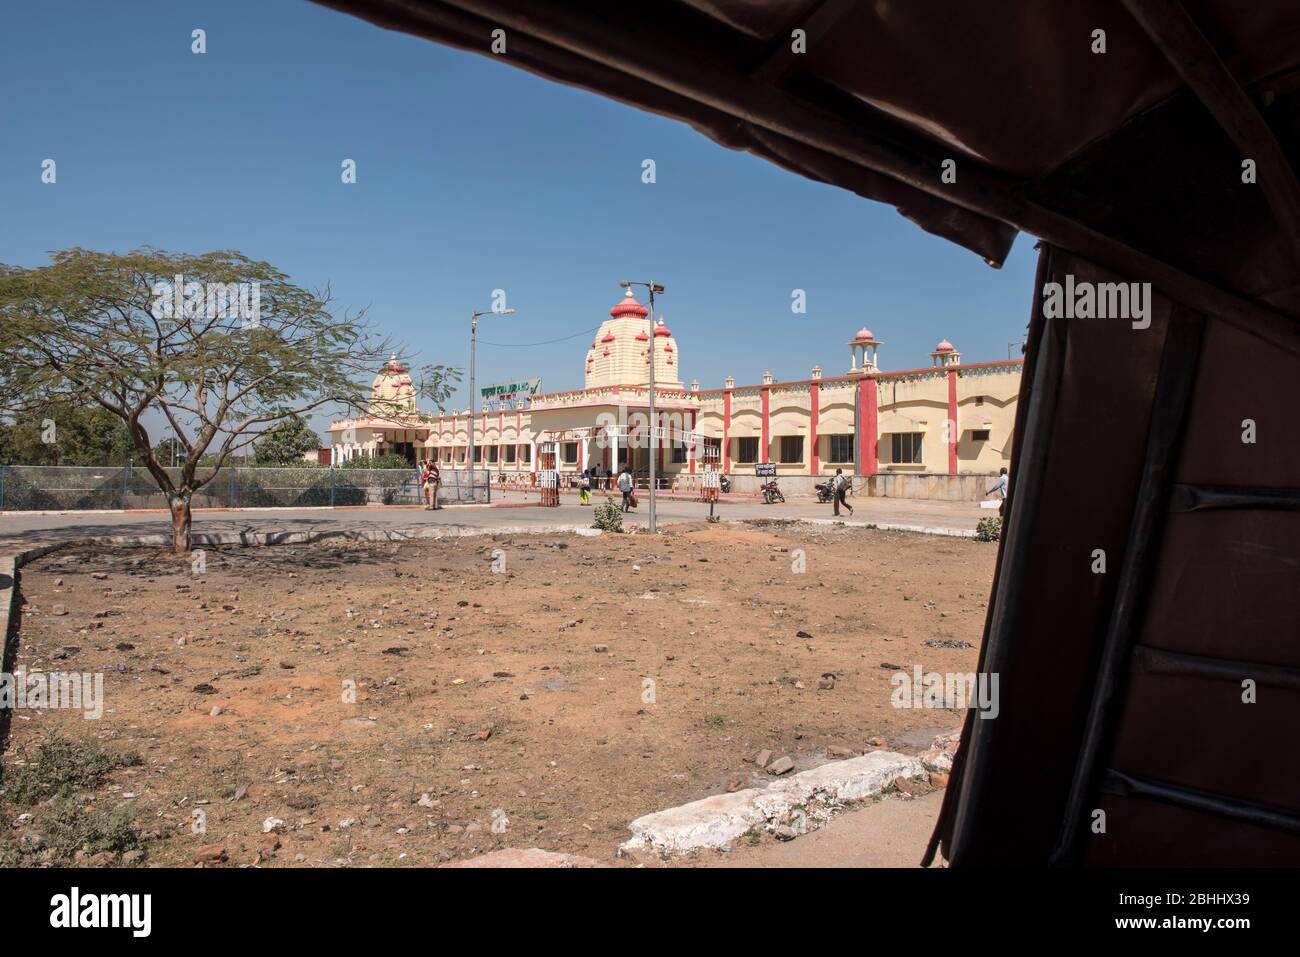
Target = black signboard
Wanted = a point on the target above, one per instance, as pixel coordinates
(765, 470)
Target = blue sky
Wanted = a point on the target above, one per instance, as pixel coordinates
(472, 175)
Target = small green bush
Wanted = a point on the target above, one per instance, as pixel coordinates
(62, 768)
(989, 529)
(608, 517)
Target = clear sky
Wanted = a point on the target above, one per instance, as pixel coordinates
(472, 175)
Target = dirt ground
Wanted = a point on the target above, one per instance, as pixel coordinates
(510, 690)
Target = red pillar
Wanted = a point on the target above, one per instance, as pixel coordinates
(952, 421)
(868, 427)
(726, 431)
(764, 440)
(519, 434)
(692, 450)
(815, 392)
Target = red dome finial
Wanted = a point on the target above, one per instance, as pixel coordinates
(628, 306)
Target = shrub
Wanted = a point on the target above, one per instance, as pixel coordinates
(989, 529)
(62, 768)
(608, 517)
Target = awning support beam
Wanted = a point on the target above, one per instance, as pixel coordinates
(1187, 49)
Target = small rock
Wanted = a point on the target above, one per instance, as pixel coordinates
(210, 854)
(835, 751)
(827, 682)
(910, 786)
(216, 711)
(272, 824)
(938, 780)
(763, 757)
(781, 765)
(59, 610)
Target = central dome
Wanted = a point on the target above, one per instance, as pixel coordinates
(628, 306)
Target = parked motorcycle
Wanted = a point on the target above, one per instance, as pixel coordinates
(824, 492)
(771, 493)
(724, 483)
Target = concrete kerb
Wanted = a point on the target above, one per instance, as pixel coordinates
(797, 804)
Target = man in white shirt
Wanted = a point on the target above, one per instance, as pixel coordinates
(625, 486)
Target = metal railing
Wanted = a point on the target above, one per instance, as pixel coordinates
(78, 488)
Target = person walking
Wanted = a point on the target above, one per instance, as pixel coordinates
(432, 479)
(1001, 489)
(584, 488)
(625, 486)
(839, 488)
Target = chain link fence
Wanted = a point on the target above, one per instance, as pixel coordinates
(77, 488)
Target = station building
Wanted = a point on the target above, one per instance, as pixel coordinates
(914, 431)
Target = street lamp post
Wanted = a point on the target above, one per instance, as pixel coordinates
(652, 287)
(473, 346)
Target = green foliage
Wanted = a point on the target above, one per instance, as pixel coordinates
(62, 768)
(286, 443)
(389, 460)
(437, 382)
(989, 529)
(77, 434)
(608, 517)
(66, 828)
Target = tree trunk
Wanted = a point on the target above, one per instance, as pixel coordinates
(180, 509)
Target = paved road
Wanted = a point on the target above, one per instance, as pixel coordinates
(893, 832)
(19, 531)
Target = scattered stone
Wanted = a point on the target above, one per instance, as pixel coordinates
(216, 711)
(910, 786)
(601, 649)
(835, 751)
(827, 682)
(59, 610)
(938, 780)
(272, 824)
(99, 576)
(947, 643)
(763, 757)
(205, 688)
(802, 634)
(210, 854)
(781, 765)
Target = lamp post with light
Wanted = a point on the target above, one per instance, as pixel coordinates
(473, 345)
(652, 287)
